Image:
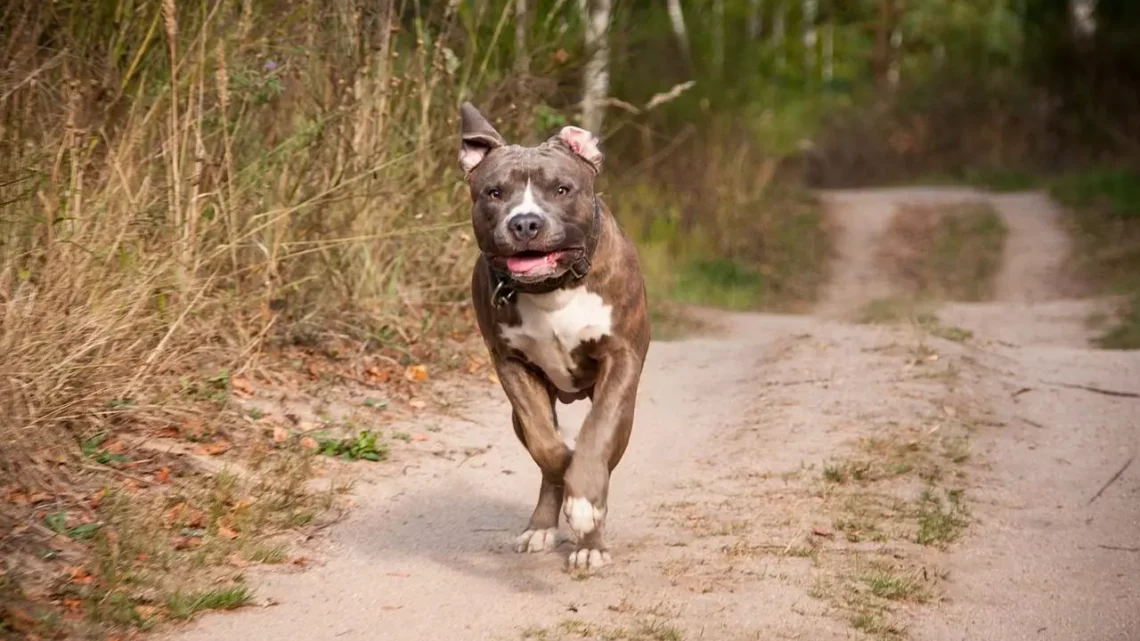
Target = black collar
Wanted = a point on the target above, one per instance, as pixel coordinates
(504, 288)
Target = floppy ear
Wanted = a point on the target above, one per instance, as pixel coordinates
(478, 137)
(583, 143)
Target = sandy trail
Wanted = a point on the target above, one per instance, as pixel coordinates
(720, 489)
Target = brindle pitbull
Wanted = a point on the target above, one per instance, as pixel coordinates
(560, 303)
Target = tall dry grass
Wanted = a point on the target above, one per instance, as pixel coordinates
(183, 181)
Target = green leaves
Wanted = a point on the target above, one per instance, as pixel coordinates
(364, 446)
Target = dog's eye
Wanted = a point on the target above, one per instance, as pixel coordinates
(563, 190)
(494, 193)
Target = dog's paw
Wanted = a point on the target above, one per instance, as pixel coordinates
(537, 540)
(582, 516)
(586, 559)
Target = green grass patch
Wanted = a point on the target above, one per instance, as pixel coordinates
(1003, 179)
(364, 446)
(886, 585)
(940, 520)
(765, 252)
(899, 309)
(944, 253)
(184, 605)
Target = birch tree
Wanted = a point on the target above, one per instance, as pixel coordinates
(810, 8)
(522, 55)
(778, 22)
(677, 20)
(596, 80)
(755, 18)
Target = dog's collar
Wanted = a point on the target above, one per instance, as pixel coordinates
(504, 289)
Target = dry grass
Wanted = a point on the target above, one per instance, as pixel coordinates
(183, 189)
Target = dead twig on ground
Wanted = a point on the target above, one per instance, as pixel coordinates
(1097, 390)
(1113, 479)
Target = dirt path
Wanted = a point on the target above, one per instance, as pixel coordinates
(776, 476)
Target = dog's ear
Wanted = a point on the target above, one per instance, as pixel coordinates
(477, 136)
(583, 143)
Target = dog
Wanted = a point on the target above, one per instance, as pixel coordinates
(560, 302)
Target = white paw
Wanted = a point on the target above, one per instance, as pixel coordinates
(537, 540)
(581, 515)
(588, 559)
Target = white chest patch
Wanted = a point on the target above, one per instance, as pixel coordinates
(553, 325)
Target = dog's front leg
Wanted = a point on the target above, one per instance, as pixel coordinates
(598, 450)
(536, 426)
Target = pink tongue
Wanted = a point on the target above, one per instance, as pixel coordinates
(522, 264)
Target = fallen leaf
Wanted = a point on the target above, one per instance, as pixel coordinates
(416, 403)
(819, 531)
(280, 434)
(242, 387)
(416, 373)
(420, 437)
(493, 377)
(79, 575)
(236, 560)
(116, 447)
(474, 365)
(187, 543)
(73, 604)
(309, 443)
(167, 432)
(172, 515)
(377, 375)
(227, 532)
(163, 475)
(96, 499)
(950, 411)
(561, 56)
(216, 448)
(146, 611)
(40, 497)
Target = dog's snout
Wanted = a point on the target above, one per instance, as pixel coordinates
(525, 227)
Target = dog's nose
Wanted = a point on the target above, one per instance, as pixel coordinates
(525, 227)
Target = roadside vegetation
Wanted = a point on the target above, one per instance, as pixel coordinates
(1104, 217)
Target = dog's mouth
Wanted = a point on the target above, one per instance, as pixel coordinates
(530, 262)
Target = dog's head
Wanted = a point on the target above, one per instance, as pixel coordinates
(532, 207)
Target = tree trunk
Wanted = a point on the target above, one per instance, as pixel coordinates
(828, 72)
(810, 8)
(596, 83)
(677, 19)
(755, 18)
(522, 55)
(880, 61)
(778, 22)
(718, 39)
(895, 67)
